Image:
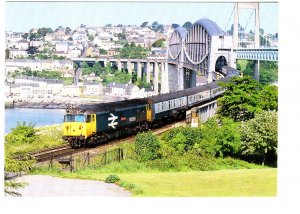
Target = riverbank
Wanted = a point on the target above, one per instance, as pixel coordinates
(55, 102)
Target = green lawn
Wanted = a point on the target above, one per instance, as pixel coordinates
(254, 182)
(245, 182)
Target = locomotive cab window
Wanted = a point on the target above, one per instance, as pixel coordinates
(74, 118)
(69, 118)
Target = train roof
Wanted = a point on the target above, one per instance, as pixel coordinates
(168, 96)
(111, 106)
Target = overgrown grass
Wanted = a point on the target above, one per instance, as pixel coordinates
(45, 137)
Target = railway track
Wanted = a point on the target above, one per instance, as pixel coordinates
(65, 150)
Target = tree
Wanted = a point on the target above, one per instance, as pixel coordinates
(174, 26)
(90, 37)
(144, 24)
(269, 98)
(259, 135)
(85, 68)
(268, 72)
(241, 98)
(68, 30)
(102, 51)
(147, 146)
(187, 25)
(108, 25)
(7, 53)
(16, 155)
(97, 69)
(159, 43)
(228, 140)
(25, 36)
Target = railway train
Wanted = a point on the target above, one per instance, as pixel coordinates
(97, 123)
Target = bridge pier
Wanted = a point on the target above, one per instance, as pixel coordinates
(155, 72)
(148, 71)
(256, 69)
(119, 64)
(139, 69)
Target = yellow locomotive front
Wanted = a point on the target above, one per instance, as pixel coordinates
(77, 128)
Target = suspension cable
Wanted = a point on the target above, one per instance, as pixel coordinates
(229, 18)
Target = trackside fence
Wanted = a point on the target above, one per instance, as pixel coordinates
(74, 162)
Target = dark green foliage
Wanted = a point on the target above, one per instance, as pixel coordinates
(259, 135)
(228, 142)
(155, 26)
(7, 53)
(269, 98)
(192, 161)
(146, 146)
(142, 83)
(159, 43)
(244, 97)
(144, 24)
(268, 72)
(208, 138)
(133, 52)
(241, 98)
(21, 134)
(102, 51)
(18, 160)
(112, 179)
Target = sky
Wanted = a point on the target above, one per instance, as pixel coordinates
(23, 16)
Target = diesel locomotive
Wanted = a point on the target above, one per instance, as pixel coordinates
(94, 124)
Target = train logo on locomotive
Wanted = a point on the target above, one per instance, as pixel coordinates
(113, 123)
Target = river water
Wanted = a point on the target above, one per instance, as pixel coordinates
(39, 117)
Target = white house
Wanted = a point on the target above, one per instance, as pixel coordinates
(16, 53)
(22, 44)
(62, 47)
(92, 88)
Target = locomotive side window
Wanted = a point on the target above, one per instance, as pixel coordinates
(88, 118)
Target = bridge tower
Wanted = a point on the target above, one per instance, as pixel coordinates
(196, 56)
(247, 5)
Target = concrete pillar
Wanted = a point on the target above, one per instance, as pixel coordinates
(148, 71)
(180, 70)
(129, 67)
(162, 80)
(139, 70)
(156, 77)
(119, 63)
(256, 69)
(165, 79)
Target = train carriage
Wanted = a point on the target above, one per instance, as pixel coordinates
(93, 124)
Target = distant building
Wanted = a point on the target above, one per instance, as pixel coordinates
(22, 44)
(92, 88)
(38, 65)
(16, 53)
(121, 89)
(62, 47)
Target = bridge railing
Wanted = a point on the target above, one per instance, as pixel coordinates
(267, 54)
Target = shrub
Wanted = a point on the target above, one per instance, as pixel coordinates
(112, 179)
(228, 138)
(146, 146)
